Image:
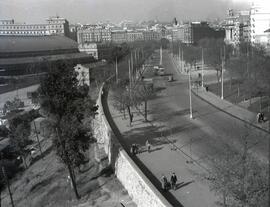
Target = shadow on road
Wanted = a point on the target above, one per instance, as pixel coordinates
(183, 184)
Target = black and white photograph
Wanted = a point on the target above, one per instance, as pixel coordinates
(134, 103)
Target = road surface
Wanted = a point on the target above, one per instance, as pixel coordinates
(199, 139)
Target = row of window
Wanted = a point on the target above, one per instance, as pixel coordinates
(30, 27)
(24, 32)
(31, 32)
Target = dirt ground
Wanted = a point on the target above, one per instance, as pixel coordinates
(45, 184)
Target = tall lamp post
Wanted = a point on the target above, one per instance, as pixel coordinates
(190, 101)
(202, 66)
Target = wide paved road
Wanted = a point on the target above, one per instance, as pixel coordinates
(210, 130)
(199, 139)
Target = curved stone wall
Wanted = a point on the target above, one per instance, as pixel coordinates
(139, 187)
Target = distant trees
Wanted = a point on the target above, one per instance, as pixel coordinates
(143, 93)
(20, 130)
(239, 178)
(67, 104)
(13, 105)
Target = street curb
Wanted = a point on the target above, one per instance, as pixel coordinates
(230, 114)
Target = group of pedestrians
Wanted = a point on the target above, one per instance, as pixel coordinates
(166, 184)
(260, 117)
(134, 149)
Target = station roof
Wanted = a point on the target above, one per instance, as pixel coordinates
(39, 59)
(18, 44)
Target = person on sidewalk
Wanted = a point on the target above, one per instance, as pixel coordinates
(164, 183)
(173, 181)
(136, 148)
(148, 146)
(133, 149)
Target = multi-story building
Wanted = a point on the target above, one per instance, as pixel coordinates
(151, 35)
(237, 27)
(93, 33)
(73, 29)
(119, 36)
(83, 74)
(54, 26)
(133, 36)
(6, 21)
(259, 21)
(193, 32)
(58, 25)
(98, 50)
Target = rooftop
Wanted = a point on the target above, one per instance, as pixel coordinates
(10, 44)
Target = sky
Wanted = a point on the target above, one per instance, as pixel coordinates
(91, 11)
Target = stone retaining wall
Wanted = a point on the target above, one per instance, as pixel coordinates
(139, 187)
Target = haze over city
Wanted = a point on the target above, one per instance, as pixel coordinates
(90, 11)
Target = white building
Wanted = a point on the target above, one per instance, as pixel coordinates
(89, 48)
(237, 27)
(83, 74)
(54, 26)
(259, 21)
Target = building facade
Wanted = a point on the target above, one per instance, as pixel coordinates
(98, 50)
(91, 34)
(259, 22)
(237, 27)
(151, 35)
(193, 32)
(57, 26)
(83, 74)
(119, 36)
(54, 26)
(133, 36)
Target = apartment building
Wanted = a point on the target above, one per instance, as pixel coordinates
(54, 26)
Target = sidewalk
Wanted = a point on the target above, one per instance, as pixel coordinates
(164, 159)
(236, 111)
(233, 110)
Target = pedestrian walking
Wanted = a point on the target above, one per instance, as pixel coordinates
(173, 181)
(136, 148)
(262, 117)
(132, 149)
(164, 183)
(148, 146)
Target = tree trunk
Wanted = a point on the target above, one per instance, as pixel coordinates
(72, 176)
(145, 110)
(224, 199)
(231, 83)
(124, 110)
(130, 115)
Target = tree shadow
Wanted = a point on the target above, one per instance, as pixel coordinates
(156, 135)
(183, 184)
(151, 150)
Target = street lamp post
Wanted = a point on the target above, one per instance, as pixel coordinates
(116, 70)
(202, 66)
(222, 66)
(190, 101)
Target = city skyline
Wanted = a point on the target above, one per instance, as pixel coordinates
(85, 11)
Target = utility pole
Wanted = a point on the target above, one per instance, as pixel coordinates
(71, 172)
(38, 139)
(116, 69)
(190, 101)
(132, 67)
(160, 62)
(182, 59)
(129, 75)
(222, 68)
(202, 66)
(7, 182)
(179, 56)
